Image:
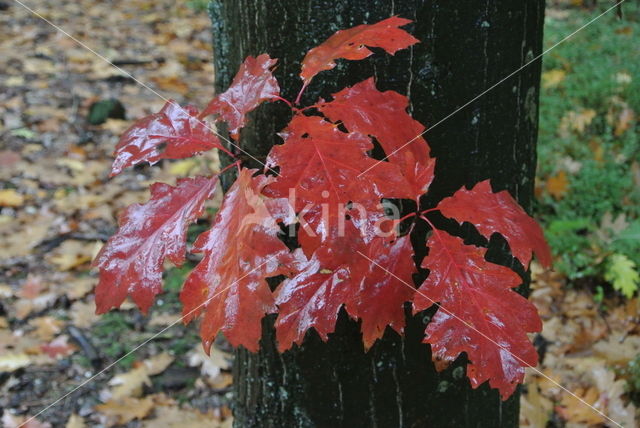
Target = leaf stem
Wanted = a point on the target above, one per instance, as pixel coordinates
(304, 86)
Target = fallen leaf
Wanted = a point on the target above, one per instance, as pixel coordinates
(46, 327)
(576, 121)
(12, 421)
(158, 363)
(10, 198)
(59, 347)
(73, 253)
(557, 185)
(129, 384)
(75, 421)
(184, 167)
(83, 314)
(571, 409)
(10, 362)
(535, 408)
(624, 121)
(553, 78)
(123, 411)
(176, 417)
(210, 365)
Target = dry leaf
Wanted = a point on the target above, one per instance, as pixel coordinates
(535, 409)
(10, 198)
(10, 362)
(557, 185)
(576, 121)
(158, 363)
(59, 347)
(129, 384)
(164, 319)
(552, 78)
(73, 253)
(210, 366)
(46, 327)
(171, 84)
(176, 417)
(83, 314)
(12, 421)
(573, 410)
(123, 411)
(75, 421)
(626, 118)
(611, 391)
(78, 287)
(618, 352)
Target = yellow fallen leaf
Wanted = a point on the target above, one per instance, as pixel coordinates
(573, 410)
(13, 361)
(123, 411)
(83, 314)
(552, 78)
(75, 421)
(184, 167)
(176, 417)
(71, 254)
(557, 185)
(172, 84)
(624, 122)
(129, 384)
(158, 363)
(535, 409)
(10, 198)
(46, 327)
(576, 121)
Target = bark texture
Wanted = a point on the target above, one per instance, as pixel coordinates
(467, 46)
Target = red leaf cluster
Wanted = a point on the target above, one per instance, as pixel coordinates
(352, 255)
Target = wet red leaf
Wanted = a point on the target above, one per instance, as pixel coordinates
(384, 288)
(252, 85)
(479, 314)
(363, 108)
(131, 261)
(322, 165)
(340, 272)
(351, 44)
(240, 250)
(173, 133)
(499, 213)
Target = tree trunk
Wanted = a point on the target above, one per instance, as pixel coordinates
(466, 47)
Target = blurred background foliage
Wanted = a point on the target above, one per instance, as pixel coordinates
(588, 166)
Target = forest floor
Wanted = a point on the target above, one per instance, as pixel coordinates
(57, 207)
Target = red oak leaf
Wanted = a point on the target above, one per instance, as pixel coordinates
(351, 44)
(173, 133)
(499, 213)
(479, 314)
(252, 85)
(383, 115)
(384, 288)
(240, 251)
(321, 165)
(365, 277)
(313, 297)
(131, 261)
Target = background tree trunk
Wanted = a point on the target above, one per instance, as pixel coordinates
(467, 46)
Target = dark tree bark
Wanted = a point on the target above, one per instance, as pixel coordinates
(467, 46)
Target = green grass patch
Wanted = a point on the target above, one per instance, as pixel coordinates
(589, 148)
